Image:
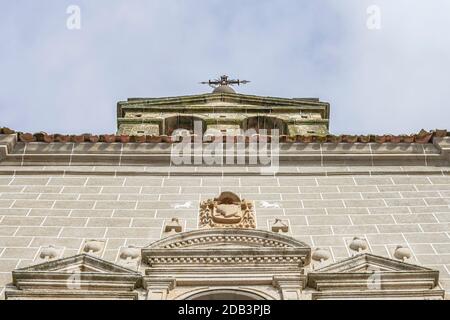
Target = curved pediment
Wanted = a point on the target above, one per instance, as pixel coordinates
(226, 237)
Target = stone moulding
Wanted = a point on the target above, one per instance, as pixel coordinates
(220, 257)
(159, 154)
(78, 276)
(370, 276)
(267, 264)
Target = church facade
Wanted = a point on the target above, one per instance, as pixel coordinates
(327, 217)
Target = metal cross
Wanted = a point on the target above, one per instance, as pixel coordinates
(224, 81)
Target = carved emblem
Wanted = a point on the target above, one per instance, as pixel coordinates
(227, 211)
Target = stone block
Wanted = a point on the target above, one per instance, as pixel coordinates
(109, 222)
(396, 188)
(99, 197)
(341, 196)
(389, 210)
(74, 204)
(432, 209)
(33, 204)
(414, 218)
(364, 203)
(323, 204)
(7, 265)
(70, 243)
(147, 213)
(147, 223)
(118, 190)
(443, 217)
(16, 241)
(22, 221)
(336, 181)
(404, 202)
(67, 181)
(347, 211)
(121, 233)
(399, 228)
(7, 231)
(437, 237)
(358, 188)
(359, 230)
(290, 196)
(161, 190)
(321, 189)
(81, 213)
(91, 233)
(82, 190)
(372, 219)
(411, 180)
(182, 181)
(10, 189)
(29, 181)
(115, 205)
(373, 181)
(296, 181)
(105, 181)
(437, 201)
(39, 231)
(381, 195)
(65, 222)
(220, 182)
(319, 241)
(329, 220)
(15, 196)
(6, 203)
(304, 212)
(276, 189)
(19, 253)
(385, 238)
(311, 230)
(143, 181)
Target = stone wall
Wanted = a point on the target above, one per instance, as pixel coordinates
(324, 211)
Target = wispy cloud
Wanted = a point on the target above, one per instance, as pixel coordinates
(391, 80)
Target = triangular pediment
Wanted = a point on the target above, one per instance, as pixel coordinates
(78, 273)
(368, 272)
(368, 263)
(223, 98)
(82, 263)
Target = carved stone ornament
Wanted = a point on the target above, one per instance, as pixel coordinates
(227, 211)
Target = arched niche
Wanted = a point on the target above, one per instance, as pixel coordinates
(186, 122)
(268, 123)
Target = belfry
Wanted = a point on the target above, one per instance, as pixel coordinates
(112, 216)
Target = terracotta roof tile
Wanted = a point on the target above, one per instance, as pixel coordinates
(422, 137)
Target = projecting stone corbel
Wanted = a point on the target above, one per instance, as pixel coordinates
(290, 286)
(158, 288)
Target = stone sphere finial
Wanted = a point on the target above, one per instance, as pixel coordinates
(321, 255)
(402, 253)
(49, 253)
(358, 244)
(131, 252)
(93, 246)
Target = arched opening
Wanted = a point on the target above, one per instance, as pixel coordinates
(225, 295)
(186, 122)
(268, 123)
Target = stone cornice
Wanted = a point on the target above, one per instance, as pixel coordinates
(14, 153)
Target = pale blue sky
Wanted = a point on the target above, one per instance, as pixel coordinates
(393, 80)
